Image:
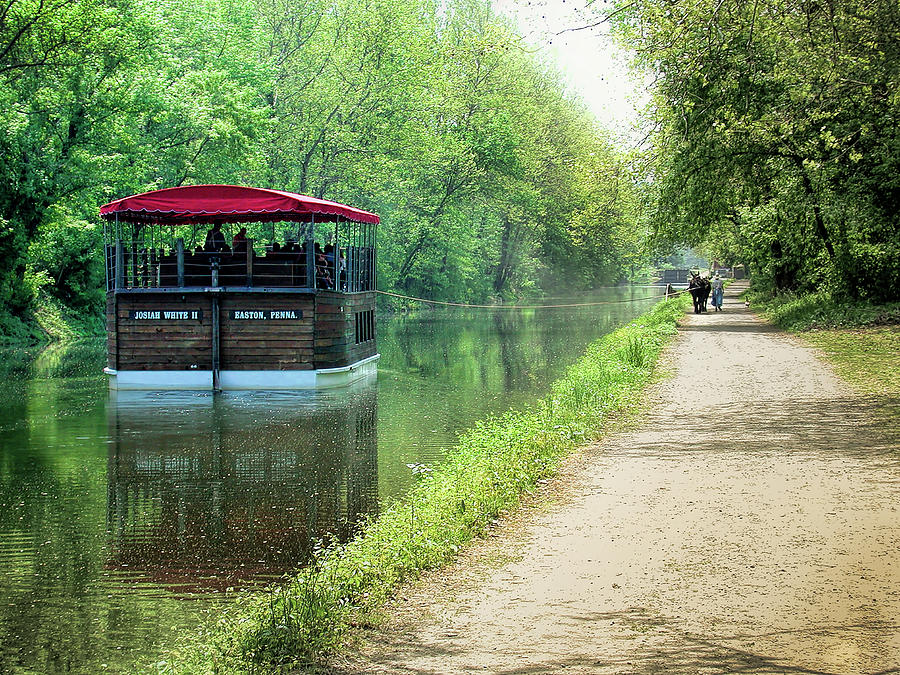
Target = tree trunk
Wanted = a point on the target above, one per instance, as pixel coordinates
(501, 277)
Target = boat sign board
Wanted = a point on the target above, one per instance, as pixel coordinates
(266, 314)
(166, 314)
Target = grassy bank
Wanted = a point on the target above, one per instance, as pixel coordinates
(867, 358)
(492, 467)
(49, 321)
(862, 341)
(822, 311)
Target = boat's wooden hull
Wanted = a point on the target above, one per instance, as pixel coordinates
(238, 338)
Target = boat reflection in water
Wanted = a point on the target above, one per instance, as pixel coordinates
(208, 493)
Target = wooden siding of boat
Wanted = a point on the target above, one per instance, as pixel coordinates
(271, 344)
(336, 316)
(323, 337)
(111, 332)
(161, 345)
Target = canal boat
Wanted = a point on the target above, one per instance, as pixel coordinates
(218, 287)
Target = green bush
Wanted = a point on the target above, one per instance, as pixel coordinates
(822, 310)
(64, 255)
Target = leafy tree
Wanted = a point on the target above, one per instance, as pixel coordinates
(777, 135)
(101, 98)
(491, 182)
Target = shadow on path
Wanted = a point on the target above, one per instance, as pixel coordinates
(671, 650)
(852, 426)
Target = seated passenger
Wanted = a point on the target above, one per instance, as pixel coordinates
(289, 241)
(215, 240)
(323, 274)
(329, 257)
(239, 241)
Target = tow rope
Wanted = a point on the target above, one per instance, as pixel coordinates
(578, 304)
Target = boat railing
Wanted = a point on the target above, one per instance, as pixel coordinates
(132, 266)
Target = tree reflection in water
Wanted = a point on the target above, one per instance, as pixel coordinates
(209, 492)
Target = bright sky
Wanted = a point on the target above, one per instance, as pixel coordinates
(596, 69)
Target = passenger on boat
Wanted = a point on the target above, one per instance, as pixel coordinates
(329, 258)
(239, 241)
(290, 244)
(215, 240)
(323, 274)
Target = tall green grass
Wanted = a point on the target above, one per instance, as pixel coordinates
(492, 467)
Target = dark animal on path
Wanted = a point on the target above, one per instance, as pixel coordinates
(699, 288)
(695, 288)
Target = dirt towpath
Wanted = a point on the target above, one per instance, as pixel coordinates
(750, 524)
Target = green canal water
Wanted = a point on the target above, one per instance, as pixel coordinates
(126, 521)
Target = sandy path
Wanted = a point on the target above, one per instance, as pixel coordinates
(754, 529)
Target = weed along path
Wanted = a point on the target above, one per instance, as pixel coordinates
(750, 524)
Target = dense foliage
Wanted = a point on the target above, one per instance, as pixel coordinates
(490, 181)
(777, 136)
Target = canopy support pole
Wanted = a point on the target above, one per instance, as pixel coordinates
(249, 244)
(106, 261)
(335, 273)
(179, 261)
(120, 265)
(310, 253)
(119, 272)
(214, 265)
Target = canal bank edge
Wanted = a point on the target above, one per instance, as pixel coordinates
(493, 466)
(49, 322)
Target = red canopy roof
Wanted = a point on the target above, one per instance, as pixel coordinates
(227, 204)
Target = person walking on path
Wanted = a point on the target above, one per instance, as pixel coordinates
(755, 531)
(718, 292)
